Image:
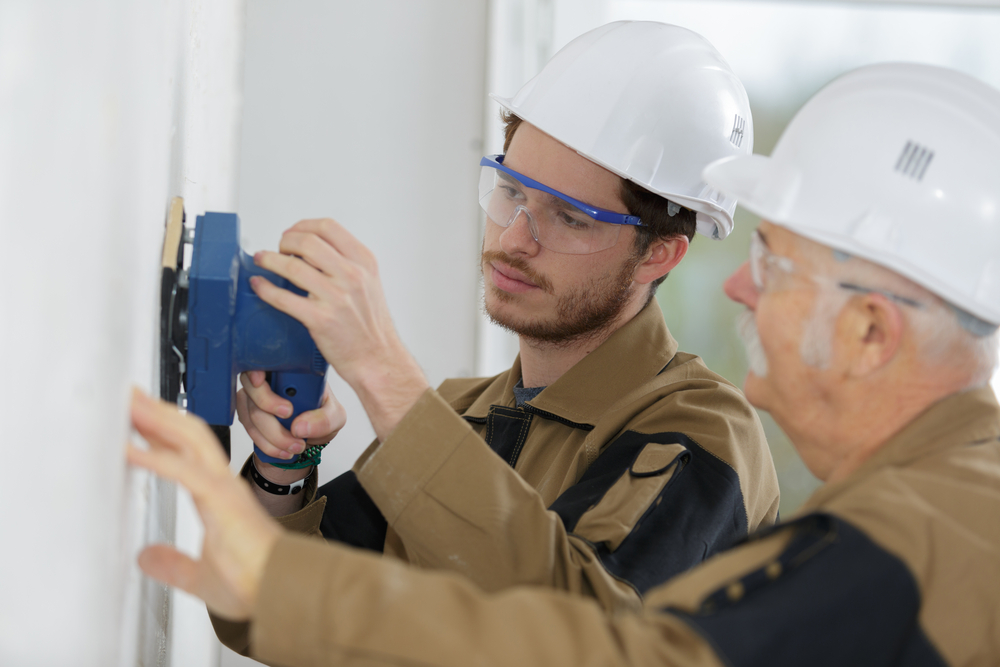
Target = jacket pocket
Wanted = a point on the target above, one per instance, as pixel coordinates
(617, 513)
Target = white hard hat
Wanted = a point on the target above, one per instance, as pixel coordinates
(895, 163)
(651, 102)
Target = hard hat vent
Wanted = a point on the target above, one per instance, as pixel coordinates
(736, 136)
(914, 160)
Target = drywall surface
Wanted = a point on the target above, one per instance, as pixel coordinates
(371, 113)
(107, 109)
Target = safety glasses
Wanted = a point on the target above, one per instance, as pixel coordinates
(556, 221)
(764, 265)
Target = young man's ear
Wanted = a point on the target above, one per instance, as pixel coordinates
(661, 257)
(872, 330)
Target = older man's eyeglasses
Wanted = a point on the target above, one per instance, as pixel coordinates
(764, 265)
(556, 221)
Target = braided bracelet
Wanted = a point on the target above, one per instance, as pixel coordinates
(309, 457)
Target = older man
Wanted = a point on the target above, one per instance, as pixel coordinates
(871, 338)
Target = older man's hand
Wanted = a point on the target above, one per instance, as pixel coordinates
(239, 536)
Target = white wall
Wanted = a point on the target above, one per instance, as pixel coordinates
(371, 113)
(107, 109)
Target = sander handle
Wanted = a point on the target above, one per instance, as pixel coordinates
(305, 391)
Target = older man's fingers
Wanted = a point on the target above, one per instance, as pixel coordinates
(172, 466)
(163, 426)
(167, 565)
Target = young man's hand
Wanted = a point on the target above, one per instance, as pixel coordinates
(347, 315)
(258, 409)
(239, 536)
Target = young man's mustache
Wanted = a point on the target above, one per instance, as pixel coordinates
(519, 264)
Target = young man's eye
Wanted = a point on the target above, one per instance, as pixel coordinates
(575, 222)
(509, 191)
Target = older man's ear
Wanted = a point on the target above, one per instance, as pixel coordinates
(871, 329)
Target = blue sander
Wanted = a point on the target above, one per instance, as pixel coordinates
(213, 327)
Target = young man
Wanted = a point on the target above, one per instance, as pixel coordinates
(872, 348)
(605, 460)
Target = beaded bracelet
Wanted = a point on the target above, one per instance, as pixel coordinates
(309, 457)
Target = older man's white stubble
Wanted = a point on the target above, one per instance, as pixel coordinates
(746, 327)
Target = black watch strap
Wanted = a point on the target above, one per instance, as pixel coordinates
(277, 489)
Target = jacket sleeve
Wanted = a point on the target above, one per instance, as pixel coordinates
(457, 506)
(322, 604)
(816, 591)
(306, 521)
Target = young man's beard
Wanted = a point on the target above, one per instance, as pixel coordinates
(580, 315)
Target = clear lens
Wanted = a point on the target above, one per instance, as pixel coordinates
(556, 224)
(756, 257)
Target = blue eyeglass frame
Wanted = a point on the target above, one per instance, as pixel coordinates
(496, 161)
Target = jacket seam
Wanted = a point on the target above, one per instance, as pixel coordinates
(522, 437)
(596, 551)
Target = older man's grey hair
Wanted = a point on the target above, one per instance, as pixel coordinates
(944, 334)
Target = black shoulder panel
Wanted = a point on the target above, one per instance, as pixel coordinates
(699, 512)
(833, 597)
(351, 516)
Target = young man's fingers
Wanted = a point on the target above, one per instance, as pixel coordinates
(313, 424)
(263, 397)
(339, 238)
(277, 441)
(265, 430)
(243, 414)
(323, 423)
(256, 378)
(294, 269)
(293, 305)
(314, 250)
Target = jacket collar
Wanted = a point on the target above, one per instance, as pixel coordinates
(959, 419)
(630, 357)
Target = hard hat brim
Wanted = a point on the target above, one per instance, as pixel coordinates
(713, 221)
(767, 189)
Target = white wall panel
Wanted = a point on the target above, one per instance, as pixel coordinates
(97, 102)
(370, 113)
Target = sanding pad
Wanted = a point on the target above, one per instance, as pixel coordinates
(173, 305)
(173, 256)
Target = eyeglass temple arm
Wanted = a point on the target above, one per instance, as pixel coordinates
(889, 295)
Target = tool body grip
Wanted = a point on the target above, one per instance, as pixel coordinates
(305, 391)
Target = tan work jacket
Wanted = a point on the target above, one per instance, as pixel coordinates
(634, 466)
(897, 564)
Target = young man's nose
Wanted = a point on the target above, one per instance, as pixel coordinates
(740, 288)
(517, 238)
